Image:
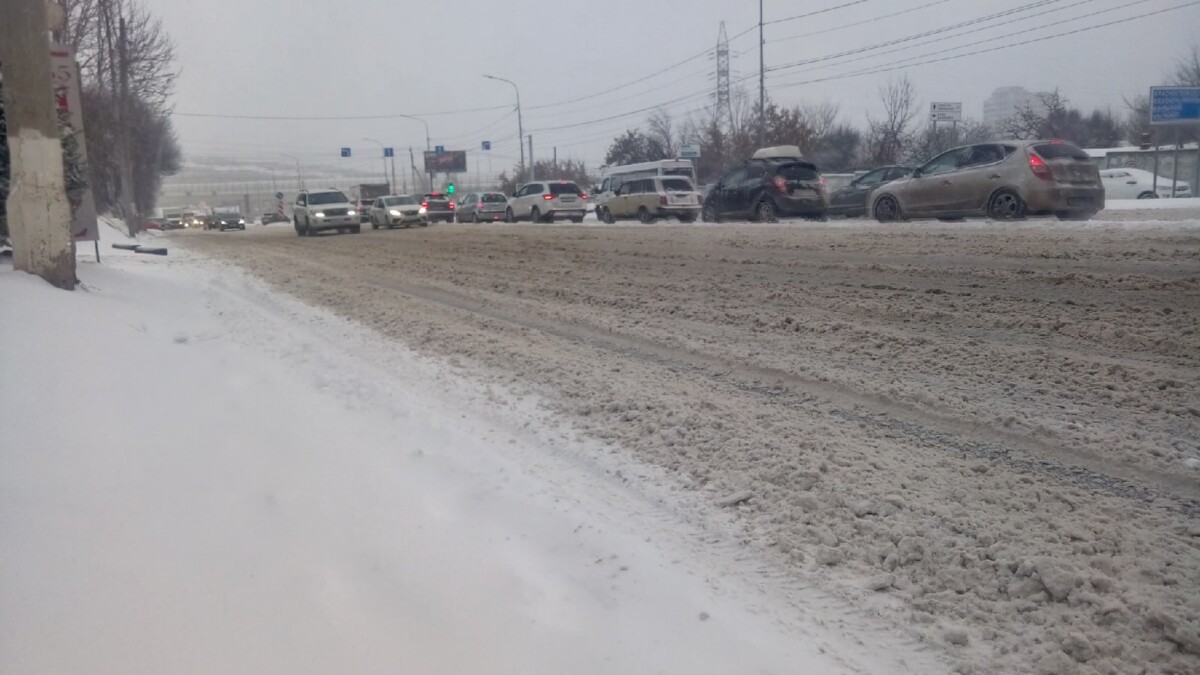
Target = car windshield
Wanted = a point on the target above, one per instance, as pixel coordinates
(677, 185)
(1061, 151)
(797, 171)
(317, 198)
(493, 198)
(399, 201)
(565, 189)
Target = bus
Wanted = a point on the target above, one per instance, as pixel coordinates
(611, 177)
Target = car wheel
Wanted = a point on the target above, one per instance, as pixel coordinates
(644, 216)
(1006, 205)
(1148, 195)
(475, 218)
(608, 216)
(535, 216)
(709, 214)
(887, 209)
(765, 212)
(509, 217)
(308, 230)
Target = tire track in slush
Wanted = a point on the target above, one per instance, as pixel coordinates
(1020, 452)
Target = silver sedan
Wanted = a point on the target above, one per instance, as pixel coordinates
(397, 211)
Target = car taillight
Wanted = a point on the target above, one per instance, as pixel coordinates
(1040, 168)
(451, 205)
(780, 183)
(479, 205)
(424, 205)
(824, 184)
(662, 199)
(583, 196)
(547, 197)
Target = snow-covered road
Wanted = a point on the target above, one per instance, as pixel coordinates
(985, 432)
(200, 475)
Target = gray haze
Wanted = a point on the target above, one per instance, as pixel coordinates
(380, 57)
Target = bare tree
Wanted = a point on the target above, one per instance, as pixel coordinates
(821, 117)
(1187, 70)
(888, 136)
(662, 132)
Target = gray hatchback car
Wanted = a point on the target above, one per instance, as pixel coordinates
(1002, 180)
(481, 207)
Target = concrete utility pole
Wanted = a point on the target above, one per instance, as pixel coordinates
(532, 166)
(39, 215)
(762, 80)
(520, 124)
(128, 207)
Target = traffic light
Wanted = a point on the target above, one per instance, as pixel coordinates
(450, 189)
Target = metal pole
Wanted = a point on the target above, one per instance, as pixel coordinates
(393, 186)
(383, 155)
(1154, 184)
(412, 165)
(1175, 168)
(520, 123)
(532, 164)
(762, 80)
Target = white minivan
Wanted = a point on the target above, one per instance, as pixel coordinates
(547, 201)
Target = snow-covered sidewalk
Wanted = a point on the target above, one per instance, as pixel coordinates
(200, 476)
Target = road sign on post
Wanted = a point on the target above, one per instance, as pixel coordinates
(389, 152)
(689, 152)
(1174, 105)
(945, 112)
(487, 145)
(345, 152)
(439, 149)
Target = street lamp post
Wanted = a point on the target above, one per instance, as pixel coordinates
(520, 125)
(383, 154)
(428, 147)
(299, 173)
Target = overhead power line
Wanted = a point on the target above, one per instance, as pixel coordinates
(328, 118)
(873, 71)
(855, 24)
(819, 11)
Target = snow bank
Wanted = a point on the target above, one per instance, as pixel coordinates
(196, 477)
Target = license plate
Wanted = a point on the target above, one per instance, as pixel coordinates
(566, 200)
(681, 200)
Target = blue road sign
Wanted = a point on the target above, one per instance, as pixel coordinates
(389, 152)
(345, 152)
(487, 145)
(1175, 105)
(439, 149)
(278, 195)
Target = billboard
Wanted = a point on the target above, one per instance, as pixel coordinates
(1174, 105)
(450, 161)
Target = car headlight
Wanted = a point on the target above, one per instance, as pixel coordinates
(241, 221)
(319, 214)
(394, 212)
(423, 210)
(352, 212)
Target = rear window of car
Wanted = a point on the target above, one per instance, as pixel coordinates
(1060, 151)
(676, 185)
(565, 189)
(399, 201)
(327, 198)
(493, 198)
(798, 171)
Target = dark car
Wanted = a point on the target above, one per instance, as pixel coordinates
(224, 221)
(439, 207)
(851, 201)
(774, 183)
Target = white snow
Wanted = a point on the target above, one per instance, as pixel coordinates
(1186, 204)
(199, 475)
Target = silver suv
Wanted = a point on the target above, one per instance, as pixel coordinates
(545, 201)
(317, 210)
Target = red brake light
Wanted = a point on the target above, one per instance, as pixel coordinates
(451, 206)
(780, 183)
(479, 205)
(583, 196)
(424, 205)
(547, 197)
(662, 199)
(1039, 167)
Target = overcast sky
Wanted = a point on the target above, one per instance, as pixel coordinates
(384, 57)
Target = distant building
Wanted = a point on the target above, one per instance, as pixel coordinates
(1004, 102)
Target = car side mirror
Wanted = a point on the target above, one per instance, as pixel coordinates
(918, 173)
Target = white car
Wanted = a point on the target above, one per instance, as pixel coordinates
(330, 209)
(546, 201)
(1139, 184)
(397, 210)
